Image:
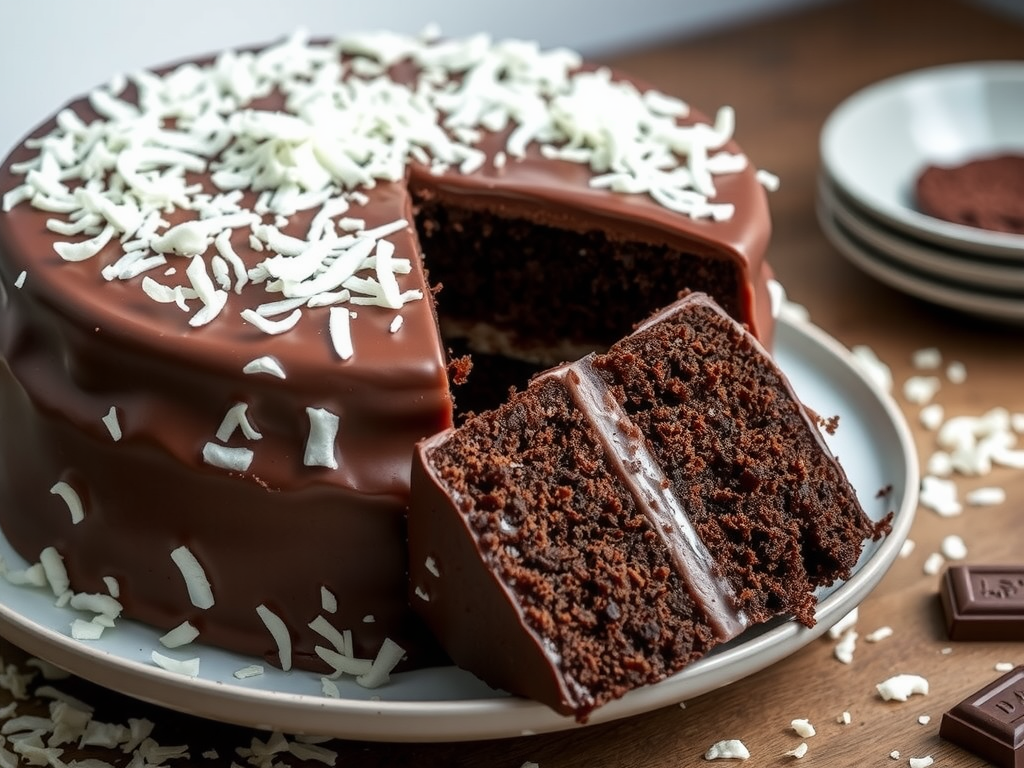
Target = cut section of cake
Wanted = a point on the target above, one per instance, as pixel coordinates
(624, 514)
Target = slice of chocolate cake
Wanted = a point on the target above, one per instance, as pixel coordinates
(624, 514)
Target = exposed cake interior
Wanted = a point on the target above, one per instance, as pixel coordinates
(633, 510)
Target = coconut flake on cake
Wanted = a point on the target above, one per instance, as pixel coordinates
(200, 593)
(71, 498)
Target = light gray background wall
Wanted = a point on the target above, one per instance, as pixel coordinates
(56, 49)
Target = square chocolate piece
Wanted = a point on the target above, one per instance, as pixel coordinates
(990, 723)
(984, 602)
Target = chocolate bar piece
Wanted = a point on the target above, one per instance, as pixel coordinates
(990, 723)
(984, 602)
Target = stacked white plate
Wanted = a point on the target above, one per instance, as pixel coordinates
(874, 146)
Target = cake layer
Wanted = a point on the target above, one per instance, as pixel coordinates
(626, 513)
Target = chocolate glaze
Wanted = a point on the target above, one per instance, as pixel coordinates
(73, 345)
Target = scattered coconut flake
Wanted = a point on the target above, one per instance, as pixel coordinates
(186, 667)
(328, 601)
(253, 670)
(233, 459)
(56, 573)
(728, 749)
(323, 431)
(902, 687)
(933, 563)
(927, 359)
(939, 495)
(279, 632)
(329, 688)
(846, 622)
(340, 328)
(882, 633)
(113, 424)
(388, 656)
(200, 592)
(921, 762)
(343, 663)
(985, 497)
(803, 727)
(956, 372)
(799, 751)
(908, 547)
(113, 587)
(396, 324)
(953, 548)
(767, 179)
(329, 632)
(86, 630)
(265, 364)
(845, 718)
(920, 389)
(183, 634)
(931, 416)
(871, 366)
(895, 754)
(421, 594)
(844, 649)
(1004, 666)
(71, 498)
(940, 464)
(924, 719)
(19, 281)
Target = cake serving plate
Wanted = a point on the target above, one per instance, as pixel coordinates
(873, 443)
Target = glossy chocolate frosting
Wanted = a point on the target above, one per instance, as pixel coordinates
(73, 345)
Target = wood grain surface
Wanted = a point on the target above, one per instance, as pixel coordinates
(783, 76)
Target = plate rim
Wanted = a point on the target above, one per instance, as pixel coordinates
(501, 716)
(973, 239)
(975, 302)
(943, 263)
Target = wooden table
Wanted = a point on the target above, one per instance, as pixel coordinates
(783, 76)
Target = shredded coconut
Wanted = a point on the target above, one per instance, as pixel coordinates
(323, 430)
(953, 548)
(113, 424)
(265, 364)
(803, 727)
(799, 751)
(279, 632)
(71, 498)
(879, 634)
(902, 687)
(728, 749)
(183, 634)
(200, 592)
(186, 667)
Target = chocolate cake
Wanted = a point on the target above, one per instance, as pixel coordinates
(219, 342)
(628, 512)
(986, 192)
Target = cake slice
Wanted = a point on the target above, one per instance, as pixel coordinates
(626, 513)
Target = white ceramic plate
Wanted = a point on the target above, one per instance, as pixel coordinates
(969, 270)
(973, 301)
(877, 141)
(445, 704)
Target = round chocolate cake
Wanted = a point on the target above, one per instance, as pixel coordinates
(229, 288)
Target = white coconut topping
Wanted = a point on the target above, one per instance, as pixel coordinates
(387, 658)
(71, 498)
(280, 634)
(933, 563)
(323, 430)
(926, 359)
(431, 565)
(113, 424)
(113, 587)
(265, 364)
(871, 366)
(940, 495)
(956, 372)
(343, 663)
(234, 459)
(329, 632)
(768, 180)
(902, 687)
(237, 417)
(727, 749)
(924, 719)
(200, 593)
(396, 324)
(921, 762)
(328, 601)
(847, 644)
(86, 630)
(921, 389)
(1004, 666)
(183, 634)
(845, 718)
(340, 329)
(848, 621)
(272, 327)
(19, 281)
(932, 416)
(186, 667)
